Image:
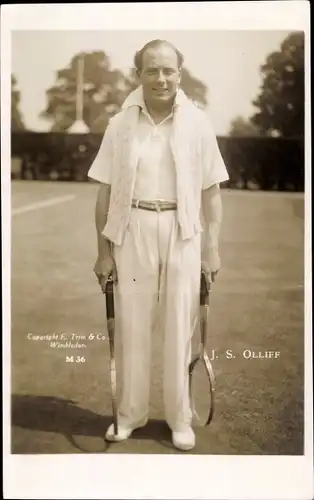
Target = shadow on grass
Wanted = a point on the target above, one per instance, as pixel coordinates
(51, 414)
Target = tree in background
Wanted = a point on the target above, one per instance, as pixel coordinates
(104, 92)
(280, 102)
(240, 127)
(17, 123)
(194, 88)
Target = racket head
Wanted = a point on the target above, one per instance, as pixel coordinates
(212, 384)
(201, 390)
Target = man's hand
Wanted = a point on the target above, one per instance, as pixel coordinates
(210, 266)
(104, 268)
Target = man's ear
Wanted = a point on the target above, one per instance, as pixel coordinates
(180, 75)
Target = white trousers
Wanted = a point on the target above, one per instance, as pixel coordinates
(158, 279)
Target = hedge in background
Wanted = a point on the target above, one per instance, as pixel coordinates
(252, 162)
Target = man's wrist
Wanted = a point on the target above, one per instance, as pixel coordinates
(104, 246)
(210, 249)
(210, 257)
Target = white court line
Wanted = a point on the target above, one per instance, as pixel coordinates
(42, 204)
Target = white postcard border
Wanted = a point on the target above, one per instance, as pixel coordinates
(153, 476)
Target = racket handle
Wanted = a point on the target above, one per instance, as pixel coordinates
(204, 290)
(110, 299)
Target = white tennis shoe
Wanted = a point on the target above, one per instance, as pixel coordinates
(184, 440)
(124, 432)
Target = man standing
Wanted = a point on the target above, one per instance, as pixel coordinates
(160, 167)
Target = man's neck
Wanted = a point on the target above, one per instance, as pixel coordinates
(159, 112)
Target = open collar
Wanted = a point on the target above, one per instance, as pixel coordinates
(136, 98)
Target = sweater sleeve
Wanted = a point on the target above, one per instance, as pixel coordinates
(101, 168)
(214, 168)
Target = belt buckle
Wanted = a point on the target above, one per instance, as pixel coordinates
(157, 207)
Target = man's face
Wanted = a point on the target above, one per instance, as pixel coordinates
(160, 74)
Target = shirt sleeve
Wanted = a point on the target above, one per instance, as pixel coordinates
(214, 168)
(101, 168)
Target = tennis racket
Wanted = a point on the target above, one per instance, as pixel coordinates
(109, 293)
(201, 374)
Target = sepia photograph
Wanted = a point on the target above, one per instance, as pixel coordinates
(158, 245)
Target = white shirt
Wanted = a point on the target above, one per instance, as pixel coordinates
(196, 165)
(156, 176)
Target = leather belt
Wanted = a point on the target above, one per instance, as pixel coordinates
(154, 206)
